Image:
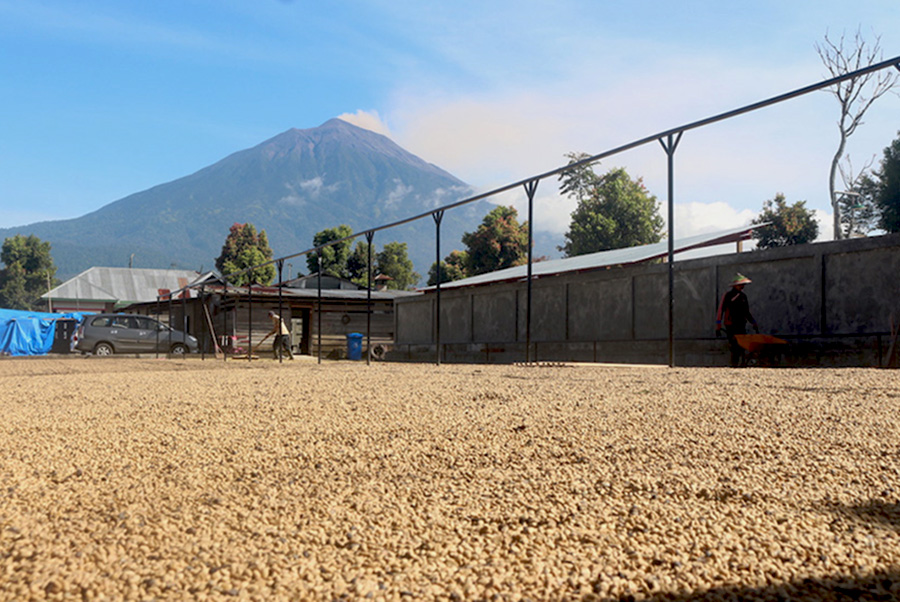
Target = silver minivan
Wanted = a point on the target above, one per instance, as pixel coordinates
(106, 334)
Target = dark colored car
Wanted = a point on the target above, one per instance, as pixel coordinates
(106, 334)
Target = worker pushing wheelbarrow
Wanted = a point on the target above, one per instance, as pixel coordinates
(733, 316)
(761, 349)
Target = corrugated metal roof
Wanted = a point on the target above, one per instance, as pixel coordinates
(327, 293)
(595, 261)
(361, 295)
(122, 285)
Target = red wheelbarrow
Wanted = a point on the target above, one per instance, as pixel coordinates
(763, 348)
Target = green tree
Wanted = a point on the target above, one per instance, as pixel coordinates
(788, 224)
(887, 194)
(613, 212)
(28, 272)
(577, 182)
(453, 267)
(499, 242)
(335, 256)
(358, 263)
(243, 249)
(393, 260)
(859, 211)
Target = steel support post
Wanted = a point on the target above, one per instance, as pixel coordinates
(225, 349)
(369, 236)
(530, 189)
(438, 216)
(205, 326)
(184, 319)
(670, 144)
(169, 331)
(319, 307)
(158, 312)
(250, 319)
(280, 315)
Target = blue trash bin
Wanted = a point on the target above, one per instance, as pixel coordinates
(354, 346)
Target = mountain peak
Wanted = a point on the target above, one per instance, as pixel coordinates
(339, 136)
(333, 127)
(291, 185)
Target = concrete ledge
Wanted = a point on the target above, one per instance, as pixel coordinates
(866, 350)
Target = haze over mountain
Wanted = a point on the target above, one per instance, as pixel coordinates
(291, 186)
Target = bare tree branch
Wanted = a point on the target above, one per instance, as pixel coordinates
(854, 95)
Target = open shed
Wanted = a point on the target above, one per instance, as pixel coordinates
(236, 318)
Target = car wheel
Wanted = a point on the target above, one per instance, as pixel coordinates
(103, 349)
(179, 349)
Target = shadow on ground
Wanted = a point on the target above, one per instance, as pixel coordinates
(878, 587)
(883, 586)
(875, 512)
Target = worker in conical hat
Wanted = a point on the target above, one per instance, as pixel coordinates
(733, 316)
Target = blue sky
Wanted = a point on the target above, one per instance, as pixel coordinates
(102, 99)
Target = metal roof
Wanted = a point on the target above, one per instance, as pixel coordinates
(312, 293)
(327, 293)
(603, 259)
(121, 285)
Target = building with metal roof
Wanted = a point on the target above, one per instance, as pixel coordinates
(832, 301)
(605, 259)
(100, 289)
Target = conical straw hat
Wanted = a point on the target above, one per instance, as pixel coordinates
(740, 279)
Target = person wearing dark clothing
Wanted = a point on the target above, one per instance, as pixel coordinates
(733, 315)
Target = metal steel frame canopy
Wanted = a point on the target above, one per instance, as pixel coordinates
(669, 141)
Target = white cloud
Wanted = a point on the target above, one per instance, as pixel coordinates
(826, 225)
(307, 190)
(444, 196)
(292, 200)
(399, 192)
(312, 186)
(704, 218)
(369, 120)
(506, 135)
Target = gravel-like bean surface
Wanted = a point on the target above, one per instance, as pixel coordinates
(179, 479)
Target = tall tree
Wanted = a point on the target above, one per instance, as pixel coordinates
(28, 272)
(334, 256)
(453, 267)
(358, 263)
(854, 96)
(788, 224)
(578, 180)
(887, 188)
(614, 211)
(499, 242)
(243, 249)
(393, 260)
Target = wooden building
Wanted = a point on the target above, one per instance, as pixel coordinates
(236, 318)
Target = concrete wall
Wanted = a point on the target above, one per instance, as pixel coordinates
(832, 301)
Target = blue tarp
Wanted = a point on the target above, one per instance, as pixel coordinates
(29, 332)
